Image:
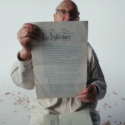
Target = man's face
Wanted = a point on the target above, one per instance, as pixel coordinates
(63, 8)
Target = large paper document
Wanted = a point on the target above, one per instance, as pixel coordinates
(59, 59)
(76, 118)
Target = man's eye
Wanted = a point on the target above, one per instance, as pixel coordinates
(73, 13)
(63, 12)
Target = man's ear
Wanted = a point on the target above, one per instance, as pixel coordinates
(54, 15)
(78, 18)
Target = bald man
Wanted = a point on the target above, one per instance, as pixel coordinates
(86, 100)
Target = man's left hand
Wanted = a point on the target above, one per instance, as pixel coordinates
(88, 95)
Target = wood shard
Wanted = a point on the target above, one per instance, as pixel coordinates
(19, 100)
(106, 105)
(115, 104)
(109, 116)
(122, 98)
(114, 92)
(1, 100)
(22, 101)
(106, 123)
(7, 93)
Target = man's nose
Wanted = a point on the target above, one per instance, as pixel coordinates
(68, 16)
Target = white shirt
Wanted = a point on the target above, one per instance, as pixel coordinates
(22, 76)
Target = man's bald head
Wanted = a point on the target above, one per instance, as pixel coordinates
(67, 2)
(67, 10)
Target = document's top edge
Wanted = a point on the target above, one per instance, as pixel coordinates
(59, 22)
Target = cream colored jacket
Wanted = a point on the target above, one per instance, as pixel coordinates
(22, 76)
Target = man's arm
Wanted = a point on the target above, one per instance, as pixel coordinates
(22, 73)
(95, 79)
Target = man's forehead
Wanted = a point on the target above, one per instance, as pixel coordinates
(67, 5)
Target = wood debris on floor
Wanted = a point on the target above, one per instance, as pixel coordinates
(106, 123)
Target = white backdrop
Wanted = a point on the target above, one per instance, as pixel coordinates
(106, 35)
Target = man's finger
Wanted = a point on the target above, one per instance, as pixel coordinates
(26, 40)
(87, 90)
(28, 34)
(87, 96)
(90, 88)
(27, 25)
(89, 100)
(32, 27)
